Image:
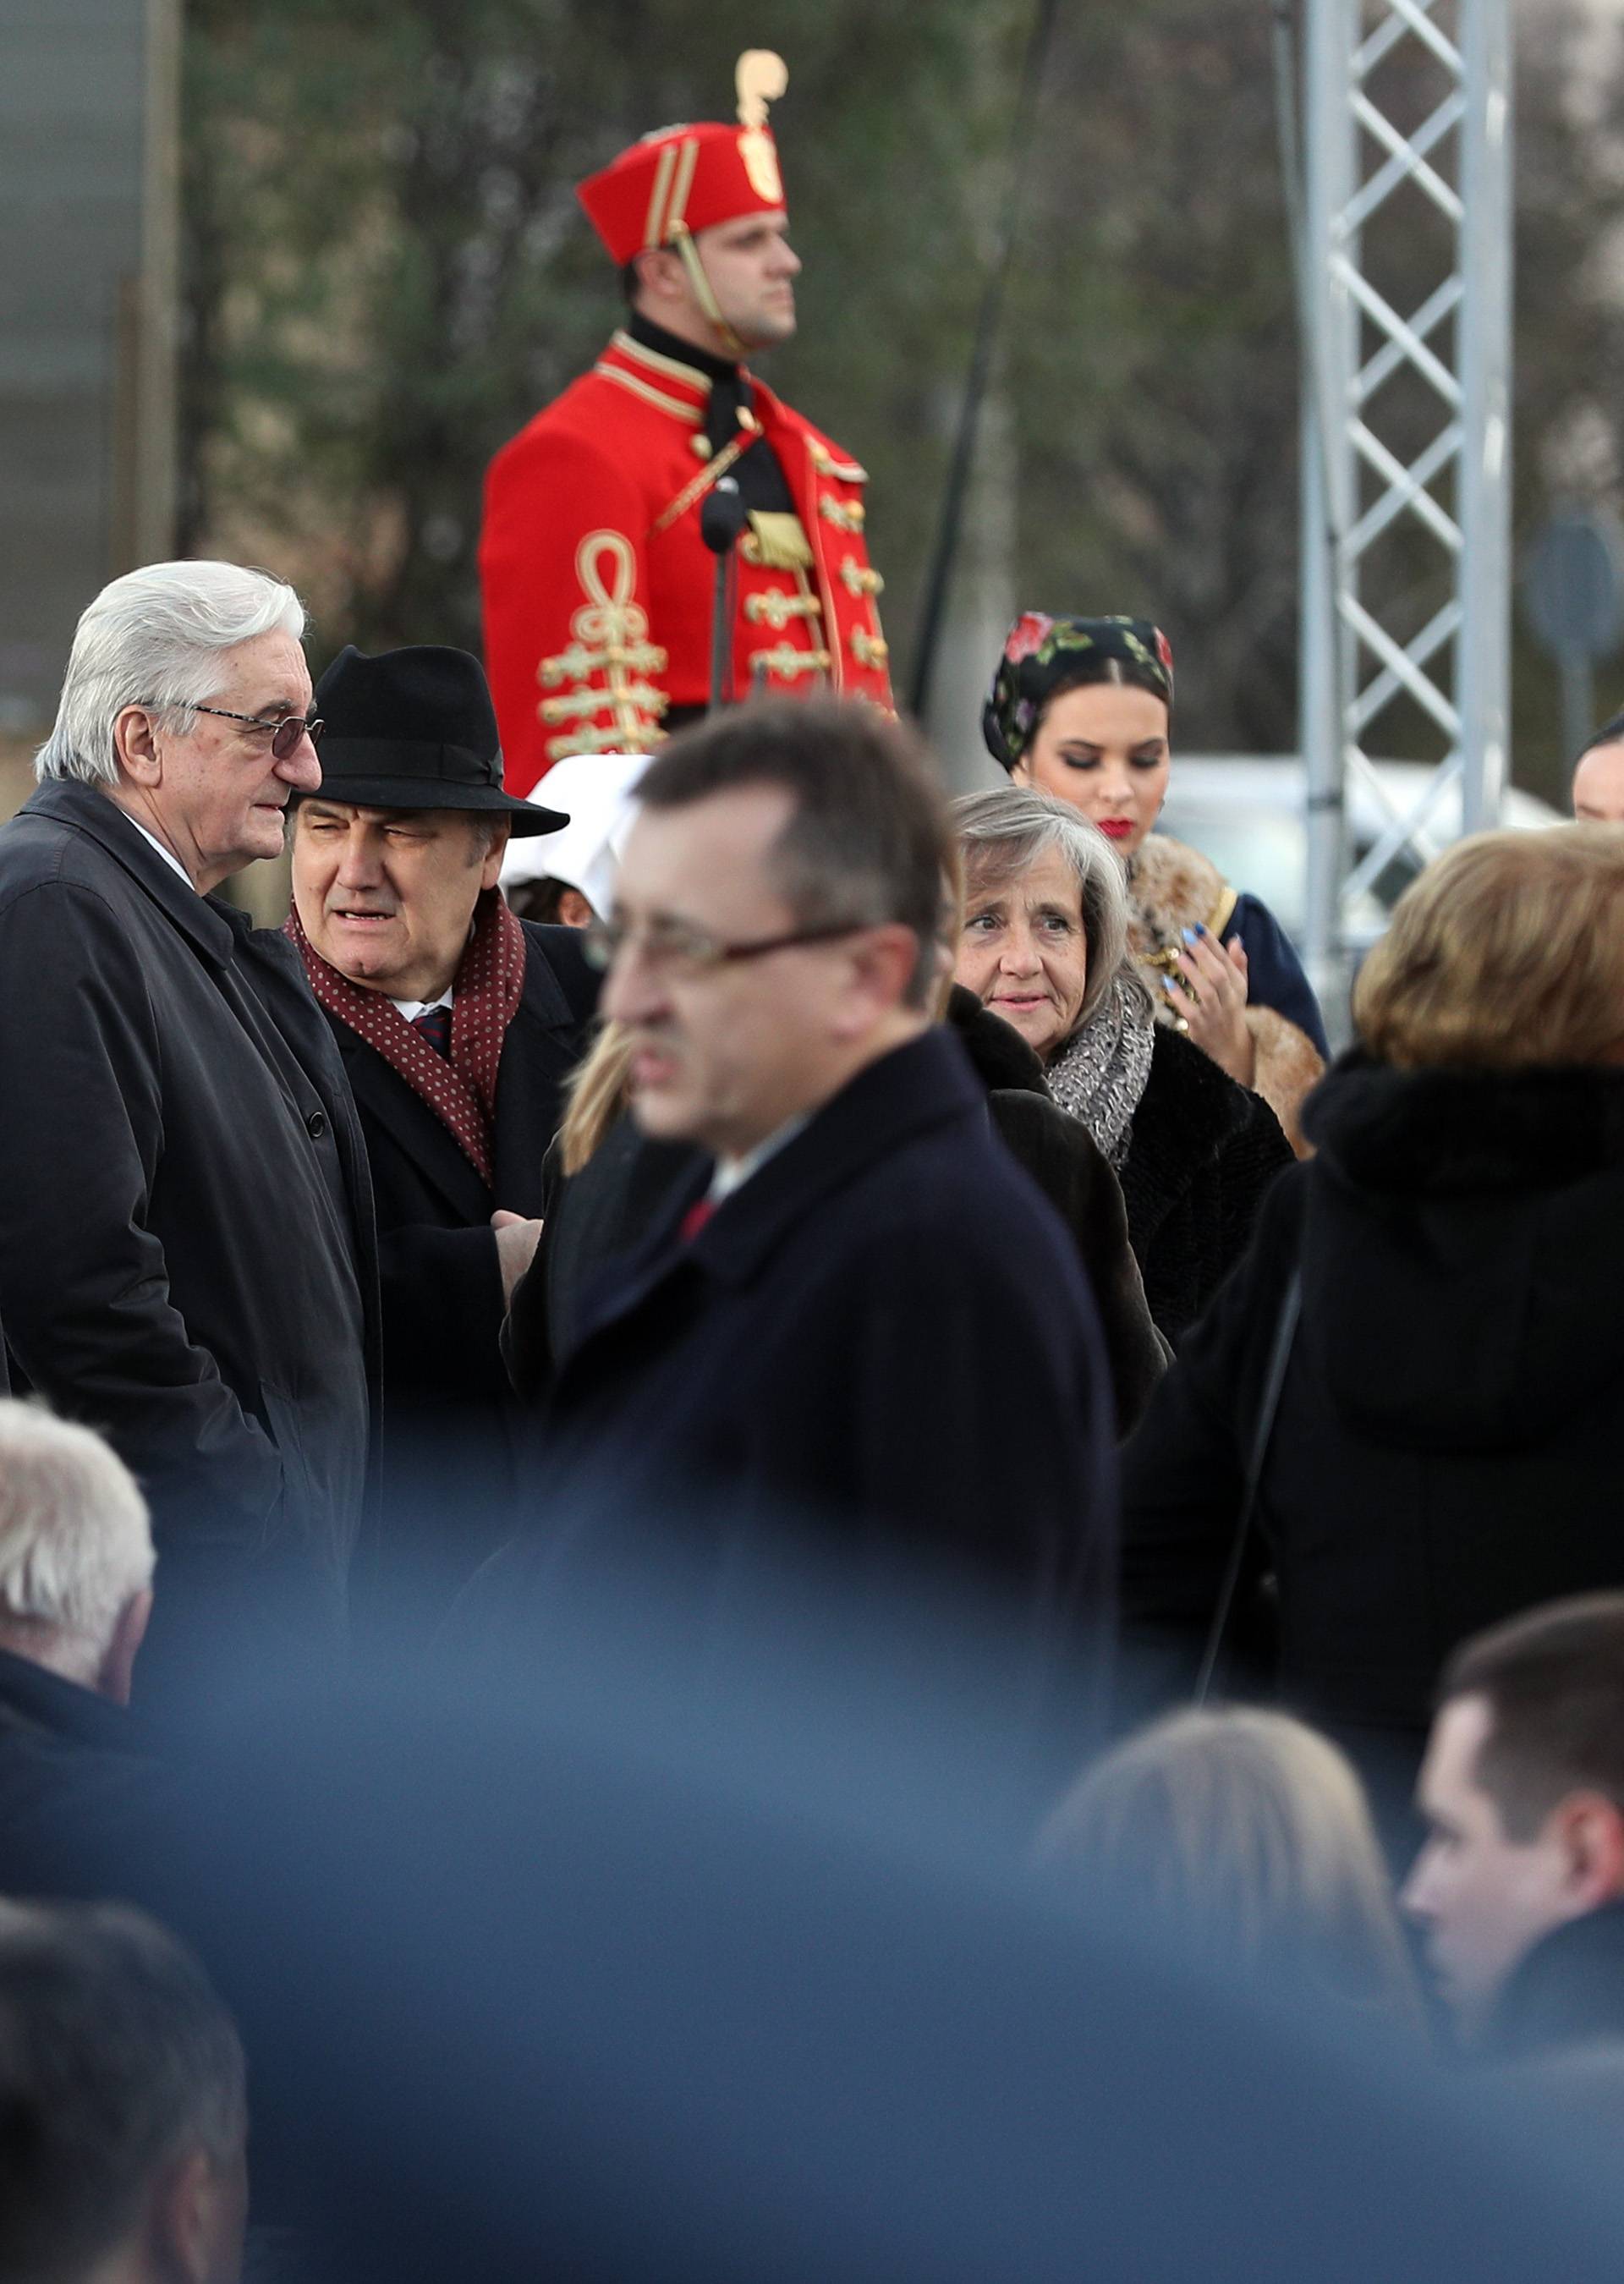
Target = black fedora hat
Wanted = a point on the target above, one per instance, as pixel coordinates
(416, 729)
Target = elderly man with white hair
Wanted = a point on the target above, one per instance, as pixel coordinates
(186, 1249)
(76, 1593)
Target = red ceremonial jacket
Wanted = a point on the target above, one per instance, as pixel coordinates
(598, 590)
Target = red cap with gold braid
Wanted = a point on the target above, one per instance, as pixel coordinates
(684, 179)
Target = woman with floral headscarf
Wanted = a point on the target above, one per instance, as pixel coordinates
(1081, 708)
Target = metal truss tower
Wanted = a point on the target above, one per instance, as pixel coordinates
(1405, 253)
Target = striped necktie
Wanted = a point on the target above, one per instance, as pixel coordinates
(434, 1023)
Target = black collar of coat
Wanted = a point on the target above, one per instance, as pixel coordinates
(63, 1709)
(925, 1084)
(999, 1056)
(644, 331)
(1568, 1990)
(1455, 1132)
(215, 927)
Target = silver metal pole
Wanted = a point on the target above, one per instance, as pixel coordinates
(1444, 67)
(1483, 677)
(1327, 474)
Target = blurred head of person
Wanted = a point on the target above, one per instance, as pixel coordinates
(185, 701)
(549, 901)
(1522, 1789)
(1598, 776)
(123, 2114)
(75, 1552)
(1242, 1838)
(775, 918)
(1082, 709)
(566, 879)
(408, 827)
(1044, 935)
(1507, 953)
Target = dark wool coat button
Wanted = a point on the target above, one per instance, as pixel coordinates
(316, 1125)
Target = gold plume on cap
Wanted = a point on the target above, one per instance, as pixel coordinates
(760, 78)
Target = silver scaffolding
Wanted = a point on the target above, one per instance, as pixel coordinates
(1406, 491)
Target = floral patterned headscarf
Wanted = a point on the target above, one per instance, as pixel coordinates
(1041, 654)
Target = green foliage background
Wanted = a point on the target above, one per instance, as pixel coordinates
(386, 273)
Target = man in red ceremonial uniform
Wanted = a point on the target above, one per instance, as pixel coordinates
(598, 584)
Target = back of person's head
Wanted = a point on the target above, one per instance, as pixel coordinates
(122, 2105)
(1506, 953)
(75, 1550)
(1553, 1683)
(155, 638)
(1244, 1838)
(1610, 733)
(868, 843)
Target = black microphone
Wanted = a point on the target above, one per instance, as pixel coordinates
(722, 516)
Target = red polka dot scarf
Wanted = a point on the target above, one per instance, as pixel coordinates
(461, 1092)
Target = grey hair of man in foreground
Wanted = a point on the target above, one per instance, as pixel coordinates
(123, 2110)
(155, 638)
(76, 1554)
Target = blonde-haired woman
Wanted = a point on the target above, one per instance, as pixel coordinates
(1245, 1839)
(1445, 1448)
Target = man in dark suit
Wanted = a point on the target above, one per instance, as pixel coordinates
(459, 1025)
(186, 1255)
(855, 1309)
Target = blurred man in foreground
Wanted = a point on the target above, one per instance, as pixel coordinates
(855, 1306)
(459, 1025)
(123, 2112)
(1520, 1890)
(185, 1214)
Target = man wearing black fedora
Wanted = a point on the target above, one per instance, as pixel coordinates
(458, 1024)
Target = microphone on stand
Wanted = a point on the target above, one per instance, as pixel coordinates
(722, 518)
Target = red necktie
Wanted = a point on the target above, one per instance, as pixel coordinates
(694, 1220)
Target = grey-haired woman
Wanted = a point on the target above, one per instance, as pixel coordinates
(1044, 947)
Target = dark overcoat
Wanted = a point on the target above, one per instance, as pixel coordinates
(1446, 1448)
(75, 1785)
(186, 1249)
(884, 1328)
(1071, 1171)
(1202, 1153)
(449, 1412)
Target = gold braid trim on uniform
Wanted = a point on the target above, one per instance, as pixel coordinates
(775, 609)
(658, 361)
(689, 413)
(844, 471)
(610, 633)
(858, 580)
(847, 515)
(776, 539)
(789, 663)
(604, 741)
(707, 475)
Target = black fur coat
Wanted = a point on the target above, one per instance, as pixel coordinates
(1201, 1155)
(1061, 1155)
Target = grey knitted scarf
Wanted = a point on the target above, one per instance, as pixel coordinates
(1100, 1072)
